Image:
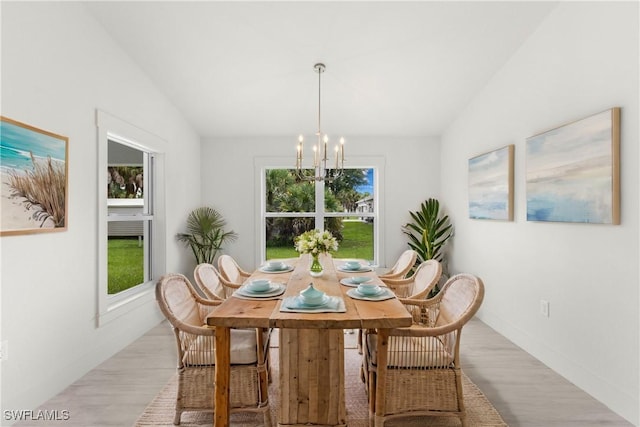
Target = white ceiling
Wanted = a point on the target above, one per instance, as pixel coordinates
(393, 68)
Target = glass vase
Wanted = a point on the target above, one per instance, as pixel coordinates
(316, 269)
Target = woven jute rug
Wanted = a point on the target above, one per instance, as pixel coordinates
(480, 412)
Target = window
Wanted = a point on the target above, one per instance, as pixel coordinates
(129, 216)
(130, 204)
(349, 207)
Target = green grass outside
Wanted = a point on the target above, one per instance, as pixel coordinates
(126, 257)
(357, 243)
(126, 264)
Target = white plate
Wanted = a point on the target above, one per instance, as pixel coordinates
(266, 269)
(298, 302)
(292, 305)
(362, 269)
(347, 282)
(383, 295)
(274, 290)
(379, 292)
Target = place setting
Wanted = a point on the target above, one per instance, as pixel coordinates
(370, 291)
(263, 289)
(353, 266)
(312, 300)
(354, 281)
(275, 267)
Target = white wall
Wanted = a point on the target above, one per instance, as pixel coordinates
(58, 67)
(582, 60)
(412, 175)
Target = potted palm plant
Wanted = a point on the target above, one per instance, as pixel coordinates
(428, 232)
(205, 234)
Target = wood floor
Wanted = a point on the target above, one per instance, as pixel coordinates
(525, 392)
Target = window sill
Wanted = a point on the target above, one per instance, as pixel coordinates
(127, 301)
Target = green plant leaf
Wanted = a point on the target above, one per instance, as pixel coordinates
(205, 234)
(428, 232)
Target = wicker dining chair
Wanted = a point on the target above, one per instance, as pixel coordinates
(208, 280)
(215, 287)
(416, 371)
(231, 271)
(420, 284)
(186, 311)
(403, 265)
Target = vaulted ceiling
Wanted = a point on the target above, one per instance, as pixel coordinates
(393, 68)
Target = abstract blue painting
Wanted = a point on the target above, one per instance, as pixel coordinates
(573, 171)
(491, 185)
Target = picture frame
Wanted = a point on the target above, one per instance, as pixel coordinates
(490, 181)
(34, 192)
(573, 171)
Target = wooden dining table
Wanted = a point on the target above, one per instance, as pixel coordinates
(311, 345)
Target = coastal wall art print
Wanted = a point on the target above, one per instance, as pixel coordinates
(491, 185)
(34, 166)
(573, 171)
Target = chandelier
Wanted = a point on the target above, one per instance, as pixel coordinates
(326, 167)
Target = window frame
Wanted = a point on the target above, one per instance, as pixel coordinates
(377, 163)
(111, 128)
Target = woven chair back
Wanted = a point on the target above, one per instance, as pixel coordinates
(229, 269)
(177, 301)
(425, 278)
(403, 265)
(207, 278)
(461, 296)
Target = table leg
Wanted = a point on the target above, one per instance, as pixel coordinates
(263, 364)
(312, 378)
(223, 376)
(381, 376)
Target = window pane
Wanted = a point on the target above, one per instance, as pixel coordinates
(343, 194)
(125, 255)
(280, 233)
(285, 192)
(357, 237)
(126, 200)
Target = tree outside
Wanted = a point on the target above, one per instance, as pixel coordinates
(285, 192)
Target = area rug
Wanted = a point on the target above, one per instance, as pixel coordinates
(480, 412)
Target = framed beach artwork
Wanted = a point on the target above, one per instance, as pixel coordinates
(573, 171)
(491, 185)
(34, 165)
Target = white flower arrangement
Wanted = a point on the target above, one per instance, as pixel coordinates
(316, 242)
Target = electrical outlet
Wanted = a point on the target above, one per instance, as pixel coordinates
(544, 308)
